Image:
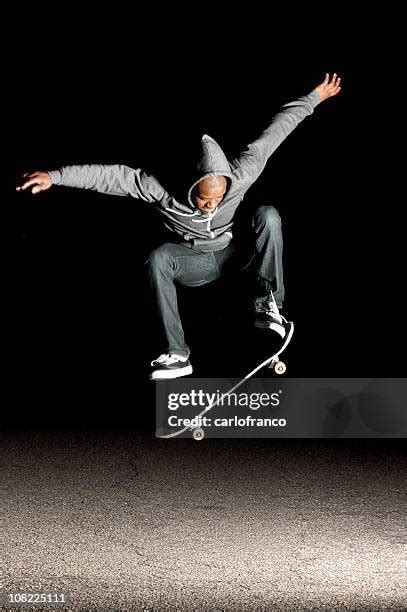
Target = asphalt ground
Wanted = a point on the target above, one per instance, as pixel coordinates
(119, 520)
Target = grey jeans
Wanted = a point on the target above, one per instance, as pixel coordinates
(259, 252)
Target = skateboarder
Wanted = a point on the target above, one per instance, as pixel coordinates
(200, 224)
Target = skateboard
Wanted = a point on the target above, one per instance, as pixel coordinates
(272, 362)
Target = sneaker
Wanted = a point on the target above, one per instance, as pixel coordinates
(271, 319)
(170, 366)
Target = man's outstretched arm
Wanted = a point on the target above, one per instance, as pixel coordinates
(252, 161)
(111, 179)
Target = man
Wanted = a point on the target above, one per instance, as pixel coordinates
(200, 225)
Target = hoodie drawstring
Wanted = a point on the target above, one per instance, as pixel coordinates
(208, 222)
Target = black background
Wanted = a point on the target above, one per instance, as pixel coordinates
(119, 90)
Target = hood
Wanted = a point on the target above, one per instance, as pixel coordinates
(211, 162)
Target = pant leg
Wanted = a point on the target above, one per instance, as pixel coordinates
(266, 260)
(170, 264)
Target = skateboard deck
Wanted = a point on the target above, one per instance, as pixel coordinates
(272, 362)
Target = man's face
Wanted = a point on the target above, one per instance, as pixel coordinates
(209, 193)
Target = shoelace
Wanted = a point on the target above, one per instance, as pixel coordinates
(165, 359)
(274, 312)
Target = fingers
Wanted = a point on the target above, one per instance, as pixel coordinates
(329, 86)
(332, 86)
(24, 184)
(37, 189)
(335, 86)
(34, 179)
(27, 184)
(335, 81)
(330, 82)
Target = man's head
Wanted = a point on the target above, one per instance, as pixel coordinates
(209, 193)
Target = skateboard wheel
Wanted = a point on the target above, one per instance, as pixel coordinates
(280, 367)
(198, 434)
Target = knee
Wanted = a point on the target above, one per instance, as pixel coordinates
(158, 260)
(267, 216)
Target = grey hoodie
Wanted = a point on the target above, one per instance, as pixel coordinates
(207, 231)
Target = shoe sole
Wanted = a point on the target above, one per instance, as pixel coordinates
(273, 326)
(166, 374)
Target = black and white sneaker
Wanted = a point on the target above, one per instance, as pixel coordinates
(170, 366)
(271, 319)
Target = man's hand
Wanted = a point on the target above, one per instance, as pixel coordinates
(39, 181)
(329, 88)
